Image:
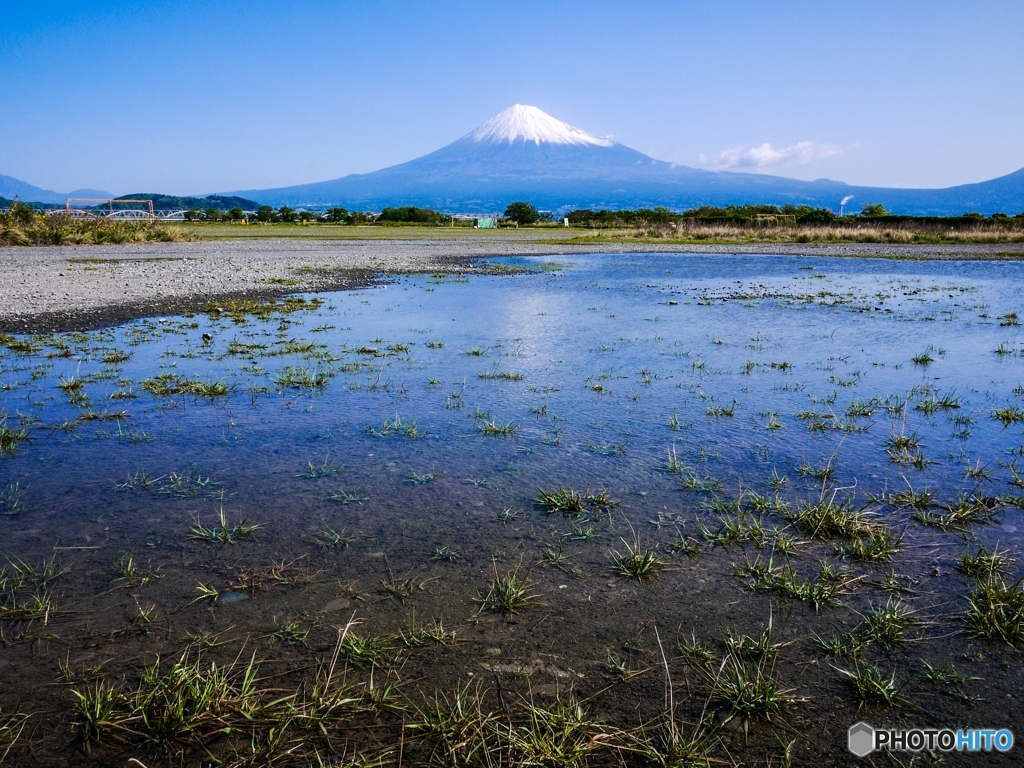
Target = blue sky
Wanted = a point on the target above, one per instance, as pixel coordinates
(197, 97)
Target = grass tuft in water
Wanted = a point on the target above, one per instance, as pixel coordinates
(961, 513)
(510, 594)
(572, 504)
(636, 562)
(886, 625)
(871, 686)
(222, 532)
(397, 427)
(747, 689)
(329, 538)
(10, 438)
(492, 427)
(984, 564)
(369, 650)
(824, 590)
(995, 610)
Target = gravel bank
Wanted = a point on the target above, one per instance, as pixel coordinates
(76, 288)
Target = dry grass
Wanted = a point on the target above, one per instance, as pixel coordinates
(25, 228)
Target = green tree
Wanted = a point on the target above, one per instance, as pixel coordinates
(284, 213)
(23, 215)
(236, 214)
(522, 213)
(265, 213)
(411, 215)
(874, 209)
(336, 215)
(193, 214)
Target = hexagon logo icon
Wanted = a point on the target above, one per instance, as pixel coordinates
(861, 739)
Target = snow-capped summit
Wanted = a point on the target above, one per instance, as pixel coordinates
(525, 123)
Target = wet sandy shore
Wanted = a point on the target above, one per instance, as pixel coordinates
(80, 287)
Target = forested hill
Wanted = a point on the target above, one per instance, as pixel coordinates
(217, 202)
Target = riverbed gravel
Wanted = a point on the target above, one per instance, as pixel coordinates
(80, 287)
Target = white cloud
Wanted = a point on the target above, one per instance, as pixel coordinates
(801, 153)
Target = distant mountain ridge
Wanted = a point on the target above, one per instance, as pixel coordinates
(172, 202)
(11, 188)
(525, 154)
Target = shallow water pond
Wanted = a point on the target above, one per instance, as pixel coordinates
(743, 500)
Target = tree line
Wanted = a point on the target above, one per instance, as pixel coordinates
(518, 212)
(743, 214)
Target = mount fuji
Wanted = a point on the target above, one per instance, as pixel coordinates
(524, 153)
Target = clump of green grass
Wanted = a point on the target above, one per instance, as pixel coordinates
(291, 377)
(748, 689)
(995, 610)
(446, 554)
(368, 650)
(290, 632)
(826, 473)
(503, 375)
(509, 594)
(827, 518)
(460, 732)
(129, 571)
(397, 426)
(919, 500)
(40, 605)
(984, 564)
(10, 438)
(572, 504)
(179, 484)
(24, 574)
(696, 652)
(565, 734)
(1011, 414)
(873, 687)
(666, 745)
(416, 636)
(222, 532)
(492, 427)
(168, 384)
(824, 590)
(960, 514)
(329, 538)
(924, 358)
(239, 310)
(316, 471)
(754, 647)
(97, 711)
(636, 562)
(944, 674)
(886, 625)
